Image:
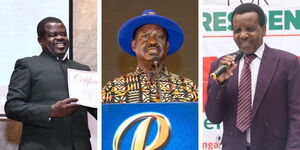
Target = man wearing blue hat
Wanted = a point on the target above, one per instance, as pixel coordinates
(150, 38)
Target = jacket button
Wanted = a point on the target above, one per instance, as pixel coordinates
(231, 133)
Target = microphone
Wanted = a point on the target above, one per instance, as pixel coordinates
(155, 61)
(221, 69)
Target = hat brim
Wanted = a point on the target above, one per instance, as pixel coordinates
(175, 33)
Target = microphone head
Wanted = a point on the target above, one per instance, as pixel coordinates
(155, 60)
(237, 55)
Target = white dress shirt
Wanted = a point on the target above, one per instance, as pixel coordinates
(254, 67)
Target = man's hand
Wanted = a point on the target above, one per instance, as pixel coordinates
(228, 61)
(63, 108)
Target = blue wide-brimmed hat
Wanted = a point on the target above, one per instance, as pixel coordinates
(174, 31)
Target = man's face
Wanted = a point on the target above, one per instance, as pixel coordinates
(150, 41)
(247, 33)
(55, 39)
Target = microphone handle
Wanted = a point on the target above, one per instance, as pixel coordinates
(221, 69)
(156, 70)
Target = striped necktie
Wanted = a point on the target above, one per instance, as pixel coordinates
(243, 120)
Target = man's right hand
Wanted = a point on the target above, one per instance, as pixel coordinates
(228, 61)
(63, 108)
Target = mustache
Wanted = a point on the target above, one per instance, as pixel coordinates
(155, 45)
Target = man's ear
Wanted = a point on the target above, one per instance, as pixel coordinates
(40, 40)
(264, 30)
(133, 45)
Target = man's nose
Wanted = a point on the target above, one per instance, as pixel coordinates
(60, 37)
(244, 35)
(152, 39)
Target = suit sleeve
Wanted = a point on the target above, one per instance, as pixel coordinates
(293, 96)
(215, 104)
(18, 105)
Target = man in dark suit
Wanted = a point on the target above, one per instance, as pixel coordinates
(258, 98)
(38, 95)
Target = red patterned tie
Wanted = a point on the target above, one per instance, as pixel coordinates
(243, 120)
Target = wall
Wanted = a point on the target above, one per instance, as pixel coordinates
(85, 44)
(85, 32)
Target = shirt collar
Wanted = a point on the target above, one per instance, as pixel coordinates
(50, 55)
(259, 52)
(64, 58)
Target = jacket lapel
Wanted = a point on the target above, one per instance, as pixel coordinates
(265, 75)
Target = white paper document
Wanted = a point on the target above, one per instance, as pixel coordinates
(84, 86)
(3, 93)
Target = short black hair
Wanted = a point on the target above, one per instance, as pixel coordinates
(250, 7)
(41, 26)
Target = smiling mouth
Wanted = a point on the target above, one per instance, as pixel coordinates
(245, 44)
(60, 45)
(153, 49)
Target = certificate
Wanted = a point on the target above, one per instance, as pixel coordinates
(3, 93)
(83, 85)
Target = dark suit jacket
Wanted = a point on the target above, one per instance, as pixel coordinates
(275, 121)
(37, 83)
